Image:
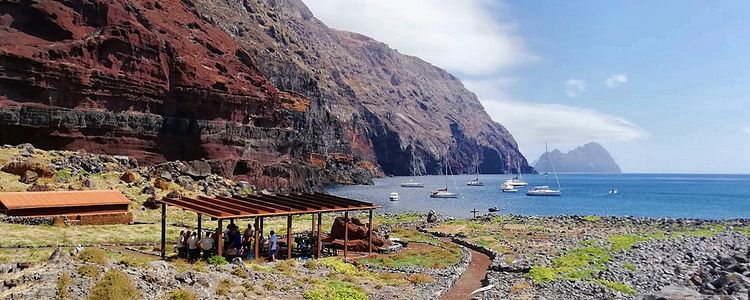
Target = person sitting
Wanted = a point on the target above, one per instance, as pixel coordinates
(185, 238)
(273, 246)
(235, 242)
(180, 245)
(207, 245)
(193, 251)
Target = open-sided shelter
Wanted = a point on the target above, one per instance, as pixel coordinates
(260, 206)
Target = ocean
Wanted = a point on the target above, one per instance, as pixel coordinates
(704, 196)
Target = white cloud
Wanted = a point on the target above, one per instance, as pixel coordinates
(464, 37)
(563, 126)
(574, 87)
(746, 130)
(616, 80)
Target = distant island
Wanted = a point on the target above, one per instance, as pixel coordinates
(589, 158)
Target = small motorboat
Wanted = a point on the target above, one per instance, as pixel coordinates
(614, 191)
(412, 184)
(443, 193)
(475, 182)
(542, 190)
(493, 209)
(394, 196)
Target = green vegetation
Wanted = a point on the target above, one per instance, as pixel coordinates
(629, 266)
(63, 282)
(63, 175)
(94, 255)
(88, 271)
(339, 266)
(617, 286)
(335, 290)
(216, 260)
(622, 242)
(592, 218)
(541, 274)
(222, 289)
(702, 231)
(115, 285)
(181, 294)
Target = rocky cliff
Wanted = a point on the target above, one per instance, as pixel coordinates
(589, 158)
(261, 90)
(157, 81)
(398, 110)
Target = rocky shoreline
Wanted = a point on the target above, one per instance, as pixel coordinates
(684, 258)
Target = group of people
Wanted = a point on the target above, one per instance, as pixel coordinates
(192, 247)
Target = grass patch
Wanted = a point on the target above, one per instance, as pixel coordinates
(134, 261)
(239, 272)
(63, 283)
(519, 287)
(88, 271)
(412, 235)
(426, 256)
(701, 231)
(285, 267)
(539, 274)
(181, 294)
(25, 255)
(94, 255)
(335, 290)
(19, 235)
(592, 218)
(419, 278)
(617, 286)
(115, 285)
(339, 266)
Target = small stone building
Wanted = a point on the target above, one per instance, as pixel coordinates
(95, 207)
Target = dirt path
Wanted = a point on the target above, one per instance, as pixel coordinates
(471, 279)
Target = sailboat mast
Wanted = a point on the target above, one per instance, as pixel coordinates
(549, 157)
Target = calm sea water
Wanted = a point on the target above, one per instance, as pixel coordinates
(653, 195)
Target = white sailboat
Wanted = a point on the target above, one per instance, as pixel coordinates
(545, 190)
(507, 188)
(414, 182)
(444, 192)
(476, 181)
(516, 181)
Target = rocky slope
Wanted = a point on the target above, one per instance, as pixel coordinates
(589, 158)
(157, 81)
(398, 110)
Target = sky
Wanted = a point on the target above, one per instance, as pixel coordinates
(663, 85)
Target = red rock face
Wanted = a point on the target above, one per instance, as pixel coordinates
(154, 80)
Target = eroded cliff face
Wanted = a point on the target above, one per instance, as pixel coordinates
(397, 110)
(158, 81)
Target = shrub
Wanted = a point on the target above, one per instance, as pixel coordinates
(270, 286)
(339, 266)
(88, 271)
(335, 290)
(630, 267)
(419, 278)
(200, 266)
(93, 255)
(63, 175)
(62, 286)
(217, 260)
(181, 294)
(592, 218)
(312, 264)
(115, 285)
(222, 289)
(239, 272)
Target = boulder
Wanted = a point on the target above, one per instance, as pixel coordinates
(150, 203)
(196, 168)
(129, 176)
(87, 183)
(39, 188)
(174, 195)
(673, 292)
(161, 183)
(28, 177)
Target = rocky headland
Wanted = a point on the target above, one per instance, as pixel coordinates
(589, 158)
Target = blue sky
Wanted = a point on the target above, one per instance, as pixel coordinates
(677, 100)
